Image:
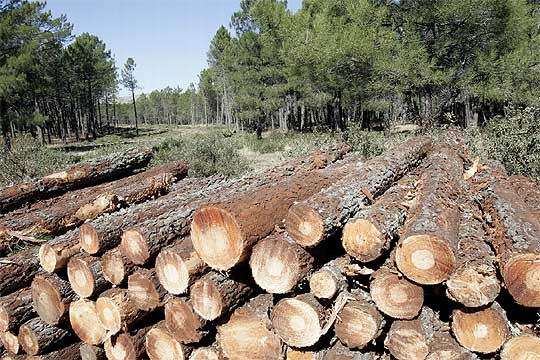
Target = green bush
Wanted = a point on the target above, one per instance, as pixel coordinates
(29, 159)
(368, 143)
(207, 154)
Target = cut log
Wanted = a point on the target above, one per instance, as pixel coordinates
(145, 289)
(359, 322)
(443, 347)
(161, 345)
(329, 280)
(68, 352)
(371, 231)
(18, 271)
(474, 282)
(16, 309)
(89, 352)
(206, 353)
(38, 337)
(85, 276)
(125, 346)
(515, 234)
(116, 310)
(176, 267)
(55, 256)
(303, 355)
(428, 243)
(278, 264)
(393, 294)
(340, 352)
(116, 266)
(524, 347)
(56, 216)
(182, 321)
(224, 233)
(217, 294)
(299, 321)
(248, 334)
(51, 296)
(107, 168)
(483, 331)
(86, 323)
(322, 215)
(10, 342)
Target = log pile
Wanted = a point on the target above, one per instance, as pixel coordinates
(416, 254)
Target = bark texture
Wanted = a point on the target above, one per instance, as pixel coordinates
(38, 337)
(16, 309)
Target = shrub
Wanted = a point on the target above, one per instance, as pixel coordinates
(368, 143)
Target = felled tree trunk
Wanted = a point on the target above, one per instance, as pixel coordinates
(329, 280)
(117, 310)
(93, 172)
(224, 233)
(206, 353)
(38, 337)
(68, 352)
(426, 250)
(18, 271)
(249, 332)
(10, 342)
(51, 297)
(85, 276)
(86, 323)
(116, 266)
(185, 325)
(521, 347)
(89, 352)
(16, 309)
(125, 346)
(371, 231)
(56, 216)
(145, 289)
(323, 214)
(161, 345)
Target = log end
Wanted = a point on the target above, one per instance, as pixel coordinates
(109, 314)
(89, 239)
(524, 347)
(275, 265)
(425, 259)
(47, 300)
(134, 246)
(10, 342)
(48, 258)
(358, 324)
(89, 352)
(521, 276)
(205, 354)
(396, 296)
(323, 284)
(206, 299)
(406, 342)
(112, 266)
(483, 331)
(4, 318)
(473, 288)
(85, 322)
(28, 340)
(143, 291)
(297, 322)
(120, 347)
(182, 322)
(80, 277)
(160, 345)
(217, 237)
(362, 240)
(172, 272)
(304, 225)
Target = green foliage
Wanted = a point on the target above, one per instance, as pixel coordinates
(29, 159)
(206, 154)
(368, 143)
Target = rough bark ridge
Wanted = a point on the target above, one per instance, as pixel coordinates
(69, 352)
(93, 172)
(474, 281)
(15, 309)
(429, 240)
(38, 337)
(323, 214)
(515, 234)
(223, 233)
(18, 271)
(56, 216)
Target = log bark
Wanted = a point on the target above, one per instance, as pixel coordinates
(474, 282)
(248, 334)
(16, 309)
(329, 280)
(117, 310)
(183, 322)
(51, 297)
(85, 276)
(161, 344)
(224, 233)
(278, 264)
(394, 294)
(116, 266)
(216, 294)
(483, 331)
(86, 323)
(177, 267)
(515, 234)
(340, 352)
(410, 339)
(443, 346)
(68, 352)
(93, 172)
(18, 271)
(55, 255)
(58, 215)
(323, 214)
(359, 322)
(38, 337)
(89, 352)
(126, 346)
(428, 243)
(145, 289)
(10, 342)
(371, 231)
(523, 347)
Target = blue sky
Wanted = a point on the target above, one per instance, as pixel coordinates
(168, 39)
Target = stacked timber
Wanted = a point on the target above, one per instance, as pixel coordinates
(418, 254)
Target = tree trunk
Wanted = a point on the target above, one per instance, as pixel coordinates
(145, 289)
(38, 337)
(86, 277)
(161, 345)
(127, 347)
(117, 310)
(16, 309)
(329, 280)
(86, 322)
(184, 324)
(51, 296)
(116, 267)
(135, 112)
(89, 352)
